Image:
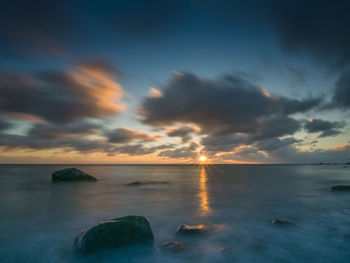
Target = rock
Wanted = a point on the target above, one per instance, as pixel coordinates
(114, 233)
(285, 222)
(134, 184)
(192, 230)
(346, 237)
(340, 188)
(174, 247)
(137, 183)
(71, 175)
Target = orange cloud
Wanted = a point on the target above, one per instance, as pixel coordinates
(344, 147)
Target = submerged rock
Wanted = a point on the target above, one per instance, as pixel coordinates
(174, 247)
(340, 188)
(71, 175)
(114, 233)
(137, 183)
(134, 184)
(282, 222)
(192, 230)
(346, 237)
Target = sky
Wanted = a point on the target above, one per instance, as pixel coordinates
(169, 81)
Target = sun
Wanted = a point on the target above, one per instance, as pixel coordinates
(202, 158)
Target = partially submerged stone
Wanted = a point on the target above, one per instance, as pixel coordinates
(174, 247)
(282, 222)
(192, 230)
(71, 175)
(114, 233)
(138, 183)
(340, 188)
(346, 237)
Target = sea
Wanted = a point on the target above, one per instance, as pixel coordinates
(39, 220)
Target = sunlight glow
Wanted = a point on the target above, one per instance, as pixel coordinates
(202, 158)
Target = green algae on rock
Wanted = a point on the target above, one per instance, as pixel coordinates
(114, 233)
(71, 175)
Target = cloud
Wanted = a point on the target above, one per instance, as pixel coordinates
(72, 130)
(277, 150)
(184, 132)
(341, 97)
(223, 143)
(86, 91)
(155, 92)
(274, 144)
(344, 147)
(182, 152)
(276, 126)
(4, 124)
(228, 105)
(327, 128)
(123, 135)
(80, 144)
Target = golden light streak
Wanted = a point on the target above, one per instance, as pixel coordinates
(203, 192)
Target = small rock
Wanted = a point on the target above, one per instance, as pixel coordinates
(285, 222)
(114, 233)
(192, 230)
(134, 184)
(71, 175)
(137, 183)
(340, 188)
(174, 247)
(258, 247)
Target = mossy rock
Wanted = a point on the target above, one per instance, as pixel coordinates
(71, 175)
(114, 233)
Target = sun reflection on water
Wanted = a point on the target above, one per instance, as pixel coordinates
(203, 191)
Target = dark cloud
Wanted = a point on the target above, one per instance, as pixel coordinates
(318, 27)
(276, 126)
(224, 106)
(86, 91)
(81, 145)
(4, 124)
(223, 143)
(54, 131)
(184, 132)
(341, 96)
(277, 150)
(140, 149)
(327, 128)
(274, 144)
(123, 135)
(11, 141)
(182, 153)
(193, 146)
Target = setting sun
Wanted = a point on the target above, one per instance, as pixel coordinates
(202, 158)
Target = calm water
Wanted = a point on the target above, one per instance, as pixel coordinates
(39, 220)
